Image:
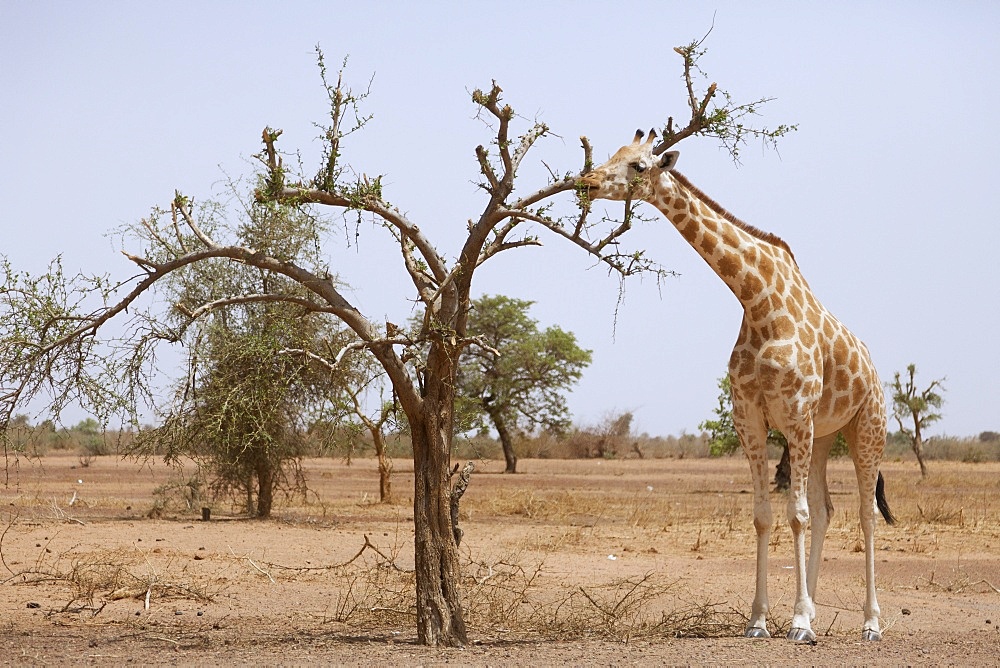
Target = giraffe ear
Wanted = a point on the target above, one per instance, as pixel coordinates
(669, 159)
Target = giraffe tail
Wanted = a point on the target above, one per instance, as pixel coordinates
(883, 505)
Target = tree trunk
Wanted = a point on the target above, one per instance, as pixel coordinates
(918, 450)
(783, 472)
(506, 439)
(918, 443)
(265, 488)
(440, 619)
(384, 466)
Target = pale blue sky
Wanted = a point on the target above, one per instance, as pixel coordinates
(886, 193)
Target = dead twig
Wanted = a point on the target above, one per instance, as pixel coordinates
(254, 566)
(368, 545)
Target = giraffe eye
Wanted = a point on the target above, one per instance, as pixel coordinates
(638, 166)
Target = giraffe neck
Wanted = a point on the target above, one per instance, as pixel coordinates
(750, 262)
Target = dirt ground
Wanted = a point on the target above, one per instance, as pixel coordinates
(600, 546)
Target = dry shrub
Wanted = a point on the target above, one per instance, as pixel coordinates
(641, 509)
(374, 594)
(502, 596)
(610, 438)
(182, 494)
(524, 502)
(952, 494)
(373, 591)
(109, 575)
(959, 582)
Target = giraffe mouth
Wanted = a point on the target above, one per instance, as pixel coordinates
(588, 189)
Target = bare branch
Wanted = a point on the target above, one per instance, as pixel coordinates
(144, 264)
(182, 205)
(490, 102)
(152, 233)
(493, 248)
(588, 155)
(487, 169)
(377, 206)
(307, 304)
(424, 282)
(725, 120)
(527, 141)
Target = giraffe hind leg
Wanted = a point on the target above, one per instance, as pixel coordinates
(867, 440)
(820, 508)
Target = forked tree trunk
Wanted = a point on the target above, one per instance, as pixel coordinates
(440, 619)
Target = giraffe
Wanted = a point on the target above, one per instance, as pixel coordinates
(794, 367)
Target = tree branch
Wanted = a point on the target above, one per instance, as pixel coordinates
(724, 121)
(307, 304)
(182, 205)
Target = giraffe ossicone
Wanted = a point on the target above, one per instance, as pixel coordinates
(794, 367)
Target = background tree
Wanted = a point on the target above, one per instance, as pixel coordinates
(254, 385)
(723, 439)
(523, 387)
(915, 410)
(49, 323)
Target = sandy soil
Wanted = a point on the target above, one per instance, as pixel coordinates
(97, 581)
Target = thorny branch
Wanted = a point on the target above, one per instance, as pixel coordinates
(725, 121)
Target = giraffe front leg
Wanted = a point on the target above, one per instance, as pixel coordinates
(798, 519)
(762, 522)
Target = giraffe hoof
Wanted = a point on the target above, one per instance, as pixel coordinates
(756, 632)
(871, 635)
(806, 636)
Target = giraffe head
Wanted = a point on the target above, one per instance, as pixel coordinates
(631, 171)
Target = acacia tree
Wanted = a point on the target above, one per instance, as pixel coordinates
(48, 328)
(253, 386)
(920, 408)
(519, 379)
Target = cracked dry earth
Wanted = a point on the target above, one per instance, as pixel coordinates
(599, 551)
